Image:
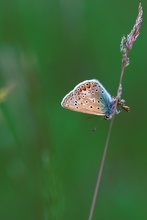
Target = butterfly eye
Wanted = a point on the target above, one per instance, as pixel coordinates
(107, 117)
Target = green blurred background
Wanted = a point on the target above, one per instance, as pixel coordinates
(49, 157)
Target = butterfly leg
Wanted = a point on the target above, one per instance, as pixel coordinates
(117, 111)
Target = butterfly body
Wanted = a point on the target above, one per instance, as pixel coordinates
(90, 97)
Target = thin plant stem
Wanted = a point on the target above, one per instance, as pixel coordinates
(125, 47)
(100, 172)
(105, 150)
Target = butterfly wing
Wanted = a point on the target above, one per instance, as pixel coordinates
(88, 97)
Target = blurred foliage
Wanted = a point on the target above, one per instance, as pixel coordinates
(49, 157)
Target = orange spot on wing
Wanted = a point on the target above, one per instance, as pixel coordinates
(84, 88)
(88, 85)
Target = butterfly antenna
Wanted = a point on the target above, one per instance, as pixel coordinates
(95, 128)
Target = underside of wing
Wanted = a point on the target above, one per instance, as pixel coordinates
(88, 97)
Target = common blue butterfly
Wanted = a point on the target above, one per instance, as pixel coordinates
(91, 97)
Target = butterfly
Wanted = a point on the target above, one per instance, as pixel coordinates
(91, 97)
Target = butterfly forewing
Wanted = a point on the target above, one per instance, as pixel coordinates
(88, 97)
